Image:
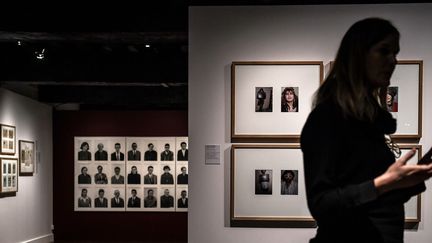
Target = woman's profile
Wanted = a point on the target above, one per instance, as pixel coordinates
(355, 185)
(289, 101)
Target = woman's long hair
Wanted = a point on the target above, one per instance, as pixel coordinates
(284, 102)
(347, 84)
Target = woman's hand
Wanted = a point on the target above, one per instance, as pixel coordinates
(400, 175)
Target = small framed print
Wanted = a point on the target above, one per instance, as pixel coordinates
(413, 206)
(404, 99)
(9, 176)
(277, 93)
(267, 187)
(8, 139)
(26, 158)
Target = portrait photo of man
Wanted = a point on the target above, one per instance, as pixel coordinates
(182, 202)
(101, 154)
(101, 201)
(182, 178)
(150, 154)
(117, 155)
(134, 201)
(289, 185)
(167, 177)
(134, 154)
(100, 177)
(84, 201)
(134, 177)
(182, 154)
(150, 178)
(84, 178)
(150, 200)
(167, 201)
(167, 154)
(117, 178)
(117, 201)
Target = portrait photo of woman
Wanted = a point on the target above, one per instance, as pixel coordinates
(289, 99)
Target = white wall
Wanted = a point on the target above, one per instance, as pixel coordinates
(220, 35)
(29, 215)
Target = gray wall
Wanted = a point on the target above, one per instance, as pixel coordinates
(28, 216)
(220, 35)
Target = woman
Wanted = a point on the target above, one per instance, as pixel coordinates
(289, 100)
(355, 189)
(84, 154)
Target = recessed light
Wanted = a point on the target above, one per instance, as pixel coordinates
(147, 46)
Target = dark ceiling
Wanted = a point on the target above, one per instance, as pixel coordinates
(133, 55)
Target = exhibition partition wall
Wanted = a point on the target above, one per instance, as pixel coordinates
(241, 55)
(71, 127)
(26, 194)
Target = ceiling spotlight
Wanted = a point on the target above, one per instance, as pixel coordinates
(147, 46)
(40, 54)
(19, 43)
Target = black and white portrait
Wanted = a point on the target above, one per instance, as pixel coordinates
(117, 177)
(289, 182)
(100, 177)
(167, 177)
(263, 182)
(84, 201)
(100, 200)
(101, 154)
(134, 154)
(84, 177)
(182, 153)
(117, 155)
(84, 153)
(167, 154)
(150, 198)
(263, 99)
(167, 200)
(151, 153)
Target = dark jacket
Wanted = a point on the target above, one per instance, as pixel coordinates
(342, 156)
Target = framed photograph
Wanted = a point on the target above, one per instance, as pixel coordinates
(8, 139)
(9, 176)
(267, 187)
(26, 158)
(130, 174)
(404, 99)
(413, 206)
(276, 93)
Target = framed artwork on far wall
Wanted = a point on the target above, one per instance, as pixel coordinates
(272, 92)
(404, 99)
(9, 177)
(26, 158)
(413, 206)
(8, 139)
(267, 187)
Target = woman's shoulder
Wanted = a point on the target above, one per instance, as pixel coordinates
(323, 122)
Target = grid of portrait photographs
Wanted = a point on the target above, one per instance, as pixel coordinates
(289, 97)
(9, 175)
(131, 174)
(8, 141)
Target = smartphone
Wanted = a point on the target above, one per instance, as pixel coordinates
(427, 158)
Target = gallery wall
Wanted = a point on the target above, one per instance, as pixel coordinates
(28, 215)
(221, 35)
(111, 226)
